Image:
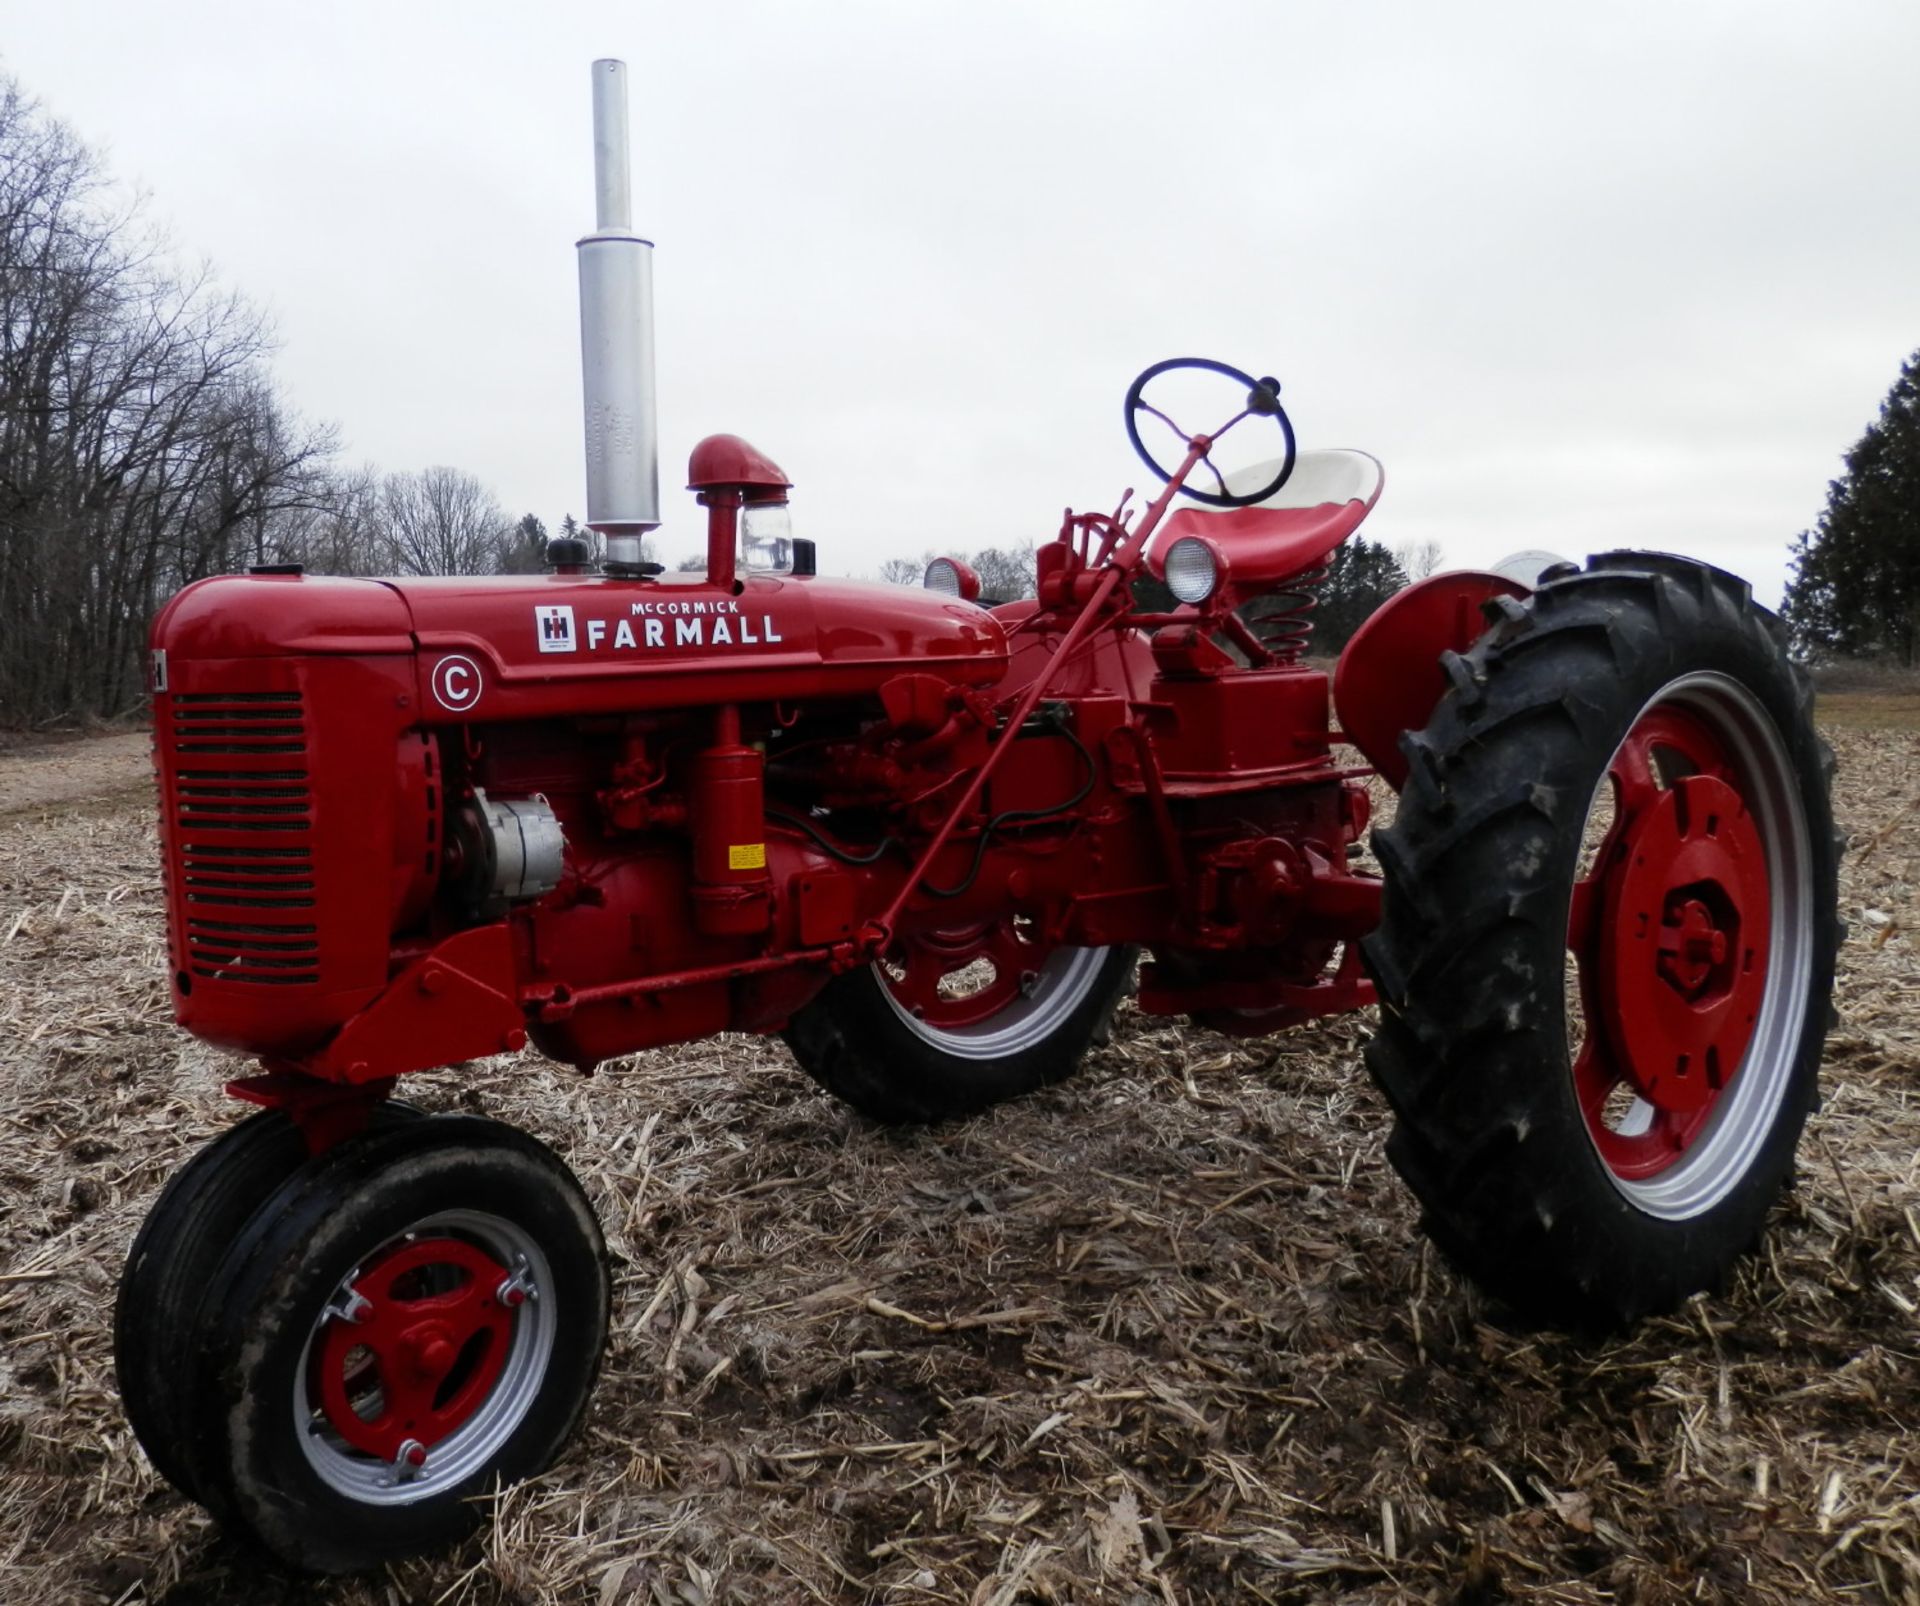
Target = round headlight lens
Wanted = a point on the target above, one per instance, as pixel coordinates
(951, 578)
(1192, 569)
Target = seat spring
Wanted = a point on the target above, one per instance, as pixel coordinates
(1282, 624)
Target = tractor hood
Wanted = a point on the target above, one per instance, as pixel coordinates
(511, 647)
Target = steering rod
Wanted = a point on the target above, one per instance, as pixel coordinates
(878, 933)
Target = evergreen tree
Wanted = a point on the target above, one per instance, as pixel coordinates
(1856, 581)
(526, 553)
(1361, 574)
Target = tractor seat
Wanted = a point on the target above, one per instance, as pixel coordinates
(1322, 503)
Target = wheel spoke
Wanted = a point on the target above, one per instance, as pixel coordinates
(924, 969)
(1014, 961)
(1593, 1080)
(1583, 916)
(1636, 779)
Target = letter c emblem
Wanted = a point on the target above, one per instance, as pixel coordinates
(456, 683)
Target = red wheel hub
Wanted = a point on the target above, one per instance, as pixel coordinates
(919, 966)
(1671, 934)
(417, 1353)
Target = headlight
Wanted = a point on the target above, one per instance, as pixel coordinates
(952, 578)
(1192, 569)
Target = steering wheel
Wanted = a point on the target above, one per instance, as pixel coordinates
(1263, 398)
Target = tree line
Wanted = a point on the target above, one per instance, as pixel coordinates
(143, 444)
(1360, 575)
(1854, 591)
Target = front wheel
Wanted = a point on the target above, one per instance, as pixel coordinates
(409, 1322)
(178, 1249)
(951, 1022)
(1607, 941)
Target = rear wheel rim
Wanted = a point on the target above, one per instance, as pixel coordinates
(988, 991)
(1691, 934)
(426, 1358)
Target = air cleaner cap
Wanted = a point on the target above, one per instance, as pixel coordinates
(727, 462)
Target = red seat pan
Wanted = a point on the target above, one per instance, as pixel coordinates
(1322, 503)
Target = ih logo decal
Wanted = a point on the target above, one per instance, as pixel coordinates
(554, 625)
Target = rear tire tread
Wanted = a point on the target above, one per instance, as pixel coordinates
(1468, 1050)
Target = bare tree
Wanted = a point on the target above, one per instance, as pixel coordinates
(1006, 573)
(141, 443)
(443, 521)
(338, 532)
(1419, 559)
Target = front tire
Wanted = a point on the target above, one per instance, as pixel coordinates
(406, 1324)
(1607, 941)
(178, 1249)
(954, 1022)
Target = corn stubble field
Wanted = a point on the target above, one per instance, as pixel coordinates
(1166, 1334)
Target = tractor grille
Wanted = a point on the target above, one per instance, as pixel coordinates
(243, 837)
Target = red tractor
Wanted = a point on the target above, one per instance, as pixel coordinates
(408, 823)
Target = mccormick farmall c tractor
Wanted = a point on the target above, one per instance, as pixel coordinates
(408, 823)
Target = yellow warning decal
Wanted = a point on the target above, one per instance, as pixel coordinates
(747, 856)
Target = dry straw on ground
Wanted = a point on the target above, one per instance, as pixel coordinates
(1167, 1334)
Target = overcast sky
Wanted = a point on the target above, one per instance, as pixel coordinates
(1581, 276)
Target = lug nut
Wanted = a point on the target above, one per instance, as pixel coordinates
(516, 1290)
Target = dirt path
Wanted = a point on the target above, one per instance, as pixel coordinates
(74, 769)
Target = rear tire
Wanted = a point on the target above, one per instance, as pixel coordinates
(862, 1043)
(1598, 1153)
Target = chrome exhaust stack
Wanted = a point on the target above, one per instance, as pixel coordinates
(616, 340)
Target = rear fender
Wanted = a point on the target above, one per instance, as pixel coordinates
(1391, 674)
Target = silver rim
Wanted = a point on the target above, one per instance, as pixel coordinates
(1060, 986)
(469, 1448)
(1746, 1112)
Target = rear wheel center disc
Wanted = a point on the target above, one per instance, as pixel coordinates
(1691, 936)
(988, 990)
(1683, 945)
